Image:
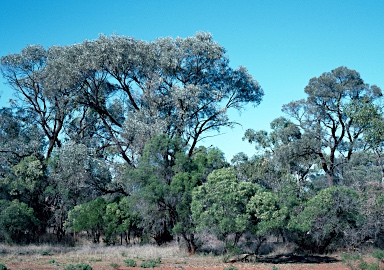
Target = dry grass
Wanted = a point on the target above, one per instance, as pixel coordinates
(99, 257)
(102, 257)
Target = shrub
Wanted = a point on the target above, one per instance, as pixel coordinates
(3, 267)
(230, 268)
(356, 261)
(130, 263)
(328, 218)
(17, 222)
(151, 263)
(80, 266)
(114, 265)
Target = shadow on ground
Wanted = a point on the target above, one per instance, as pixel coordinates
(291, 258)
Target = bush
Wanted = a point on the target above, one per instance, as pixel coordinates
(3, 267)
(356, 261)
(114, 265)
(17, 222)
(230, 268)
(130, 263)
(80, 266)
(151, 263)
(327, 219)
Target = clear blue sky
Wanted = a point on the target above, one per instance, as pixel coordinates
(282, 43)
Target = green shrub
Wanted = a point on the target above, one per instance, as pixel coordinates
(230, 268)
(150, 263)
(355, 261)
(17, 222)
(379, 254)
(3, 267)
(80, 266)
(130, 263)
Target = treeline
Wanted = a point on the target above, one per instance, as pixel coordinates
(103, 137)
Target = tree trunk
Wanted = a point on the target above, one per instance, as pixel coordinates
(190, 242)
(331, 181)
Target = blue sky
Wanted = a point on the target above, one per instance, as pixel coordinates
(282, 43)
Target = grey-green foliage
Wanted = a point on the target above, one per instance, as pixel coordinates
(75, 175)
(162, 186)
(20, 140)
(284, 148)
(151, 182)
(329, 116)
(49, 104)
(136, 89)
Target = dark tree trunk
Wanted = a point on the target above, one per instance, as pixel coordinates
(190, 243)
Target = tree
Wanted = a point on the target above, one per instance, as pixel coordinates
(119, 219)
(75, 176)
(285, 149)
(326, 118)
(192, 172)
(48, 103)
(127, 91)
(371, 116)
(88, 217)
(19, 138)
(18, 223)
(151, 187)
(328, 218)
(269, 215)
(219, 205)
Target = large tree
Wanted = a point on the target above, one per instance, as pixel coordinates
(329, 117)
(126, 90)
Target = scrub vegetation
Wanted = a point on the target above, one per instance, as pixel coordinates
(101, 145)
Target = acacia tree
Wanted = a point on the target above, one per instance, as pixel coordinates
(219, 206)
(327, 120)
(191, 172)
(330, 217)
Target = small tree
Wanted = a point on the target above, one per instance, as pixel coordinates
(328, 218)
(119, 219)
(219, 205)
(268, 215)
(18, 223)
(88, 217)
